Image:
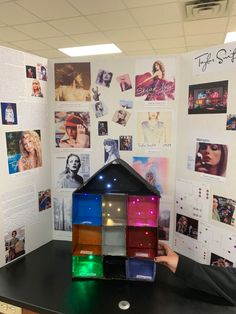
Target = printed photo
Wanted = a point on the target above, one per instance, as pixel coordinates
(126, 142)
(24, 150)
(208, 98)
(163, 225)
(42, 72)
(96, 94)
(111, 151)
(104, 78)
(126, 104)
(223, 210)
(62, 213)
(155, 80)
(36, 89)
(44, 198)
(154, 170)
(72, 129)
(100, 109)
(154, 129)
(187, 226)
(30, 71)
(211, 158)
(231, 122)
(121, 117)
(14, 244)
(9, 113)
(220, 261)
(72, 81)
(72, 170)
(124, 82)
(102, 128)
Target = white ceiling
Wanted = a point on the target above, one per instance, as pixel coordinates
(137, 27)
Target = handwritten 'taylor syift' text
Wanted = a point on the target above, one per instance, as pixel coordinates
(220, 57)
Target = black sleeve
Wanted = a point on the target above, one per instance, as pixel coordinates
(214, 280)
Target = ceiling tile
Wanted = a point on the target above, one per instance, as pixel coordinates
(233, 8)
(91, 38)
(168, 42)
(232, 24)
(113, 20)
(176, 50)
(38, 30)
(195, 48)
(13, 14)
(136, 45)
(50, 54)
(202, 40)
(59, 42)
(163, 30)
(31, 45)
(141, 53)
(49, 9)
(205, 26)
(159, 14)
(141, 3)
(8, 45)
(10, 34)
(129, 34)
(72, 26)
(89, 7)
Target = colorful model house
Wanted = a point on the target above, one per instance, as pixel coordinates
(115, 221)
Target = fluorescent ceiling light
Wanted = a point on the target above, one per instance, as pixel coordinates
(230, 36)
(90, 50)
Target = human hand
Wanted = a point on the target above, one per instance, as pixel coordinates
(167, 257)
(80, 129)
(82, 139)
(199, 167)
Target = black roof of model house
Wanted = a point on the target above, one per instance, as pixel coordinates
(117, 177)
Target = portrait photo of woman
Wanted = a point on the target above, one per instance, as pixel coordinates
(121, 117)
(72, 81)
(153, 129)
(75, 128)
(215, 208)
(187, 226)
(100, 109)
(104, 78)
(211, 158)
(124, 82)
(30, 150)
(36, 89)
(24, 150)
(9, 113)
(14, 244)
(111, 150)
(69, 178)
(30, 71)
(154, 85)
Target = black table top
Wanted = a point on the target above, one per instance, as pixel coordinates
(41, 281)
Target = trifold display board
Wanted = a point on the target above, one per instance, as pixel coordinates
(115, 233)
(172, 114)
